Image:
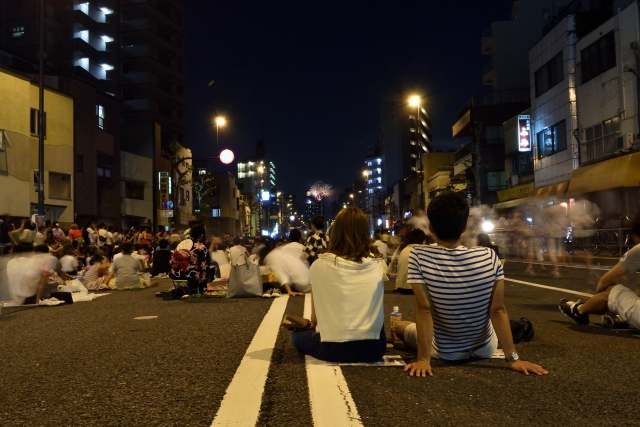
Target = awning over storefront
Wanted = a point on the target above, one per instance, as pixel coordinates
(553, 190)
(623, 171)
(510, 203)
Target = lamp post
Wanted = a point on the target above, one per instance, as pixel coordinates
(219, 121)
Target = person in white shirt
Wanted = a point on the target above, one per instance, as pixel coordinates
(294, 247)
(347, 312)
(238, 254)
(290, 269)
(381, 246)
(414, 238)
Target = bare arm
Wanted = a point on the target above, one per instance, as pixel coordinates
(610, 277)
(500, 321)
(314, 320)
(424, 325)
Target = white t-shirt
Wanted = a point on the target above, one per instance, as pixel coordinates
(92, 236)
(382, 248)
(631, 259)
(238, 255)
(68, 263)
(289, 268)
(403, 267)
(348, 298)
(295, 249)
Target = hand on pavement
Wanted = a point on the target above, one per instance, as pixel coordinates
(419, 369)
(293, 294)
(527, 367)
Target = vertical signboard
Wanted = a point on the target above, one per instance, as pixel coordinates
(524, 133)
(163, 180)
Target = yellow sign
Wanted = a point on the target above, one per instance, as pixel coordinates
(515, 192)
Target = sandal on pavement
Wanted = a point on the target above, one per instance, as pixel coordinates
(293, 322)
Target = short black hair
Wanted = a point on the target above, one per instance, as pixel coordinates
(236, 240)
(163, 243)
(448, 214)
(126, 248)
(295, 235)
(416, 237)
(318, 222)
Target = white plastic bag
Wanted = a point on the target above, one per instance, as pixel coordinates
(78, 292)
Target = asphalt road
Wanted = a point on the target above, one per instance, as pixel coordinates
(92, 364)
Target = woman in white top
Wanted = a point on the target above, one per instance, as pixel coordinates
(218, 253)
(347, 317)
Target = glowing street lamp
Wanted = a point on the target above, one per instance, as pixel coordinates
(219, 121)
(414, 101)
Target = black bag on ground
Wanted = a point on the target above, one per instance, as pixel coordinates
(521, 330)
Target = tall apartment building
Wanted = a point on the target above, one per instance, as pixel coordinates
(405, 133)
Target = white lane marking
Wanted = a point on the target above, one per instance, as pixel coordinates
(537, 285)
(331, 401)
(241, 403)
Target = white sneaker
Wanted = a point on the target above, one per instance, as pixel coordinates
(51, 301)
(268, 293)
(275, 293)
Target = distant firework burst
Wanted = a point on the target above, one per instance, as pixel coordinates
(320, 190)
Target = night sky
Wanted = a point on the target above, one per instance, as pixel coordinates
(308, 77)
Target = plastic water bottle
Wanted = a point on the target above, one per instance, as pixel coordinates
(396, 317)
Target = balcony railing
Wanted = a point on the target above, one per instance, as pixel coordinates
(603, 147)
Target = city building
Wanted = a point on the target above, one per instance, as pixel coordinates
(405, 133)
(607, 98)
(19, 131)
(312, 207)
(507, 42)
(82, 38)
(224, 211)
(437, 170)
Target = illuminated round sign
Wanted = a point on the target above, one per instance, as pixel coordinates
(226, 156)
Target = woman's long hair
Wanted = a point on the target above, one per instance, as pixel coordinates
(349, 237)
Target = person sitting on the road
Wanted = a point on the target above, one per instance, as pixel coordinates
(126, 269)
(318, 242)
(619, 300)
(381, 246)
(459, 296)
(161, 259)
(238, 254)
(414, 238)
(98, 276)
(190, 261)
(290, 269)
(218, 253)
(28, 276)
(294, 247)
(347, 312)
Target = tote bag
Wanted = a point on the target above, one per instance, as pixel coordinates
(244, 281)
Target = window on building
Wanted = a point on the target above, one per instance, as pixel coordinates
(100, 115)
(549, 75)
(4, 166)
(104, 172)
(18, 31)
(35, 121)
(215, 212)
(598, 57)
(601, 140)
(496, 181)
(552, 140)
(59, 185)
(494, 135)
(187, 195)
(134, 190)
(79, 163)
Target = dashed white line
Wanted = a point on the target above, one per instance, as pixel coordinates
(241, 403)
(331, 401)
(537, 285)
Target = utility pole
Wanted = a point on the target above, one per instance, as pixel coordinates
(41, 117)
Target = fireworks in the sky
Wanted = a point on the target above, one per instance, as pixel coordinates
(320, 190)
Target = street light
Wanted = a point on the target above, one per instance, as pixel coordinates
(414, 101)
(219, 121)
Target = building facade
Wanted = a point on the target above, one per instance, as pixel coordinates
(19, 129)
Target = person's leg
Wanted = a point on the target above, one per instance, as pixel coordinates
(407, 332)
(624, 302)
(309, 343)
(597, 304)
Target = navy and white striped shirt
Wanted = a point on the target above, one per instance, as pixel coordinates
(460, 282)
